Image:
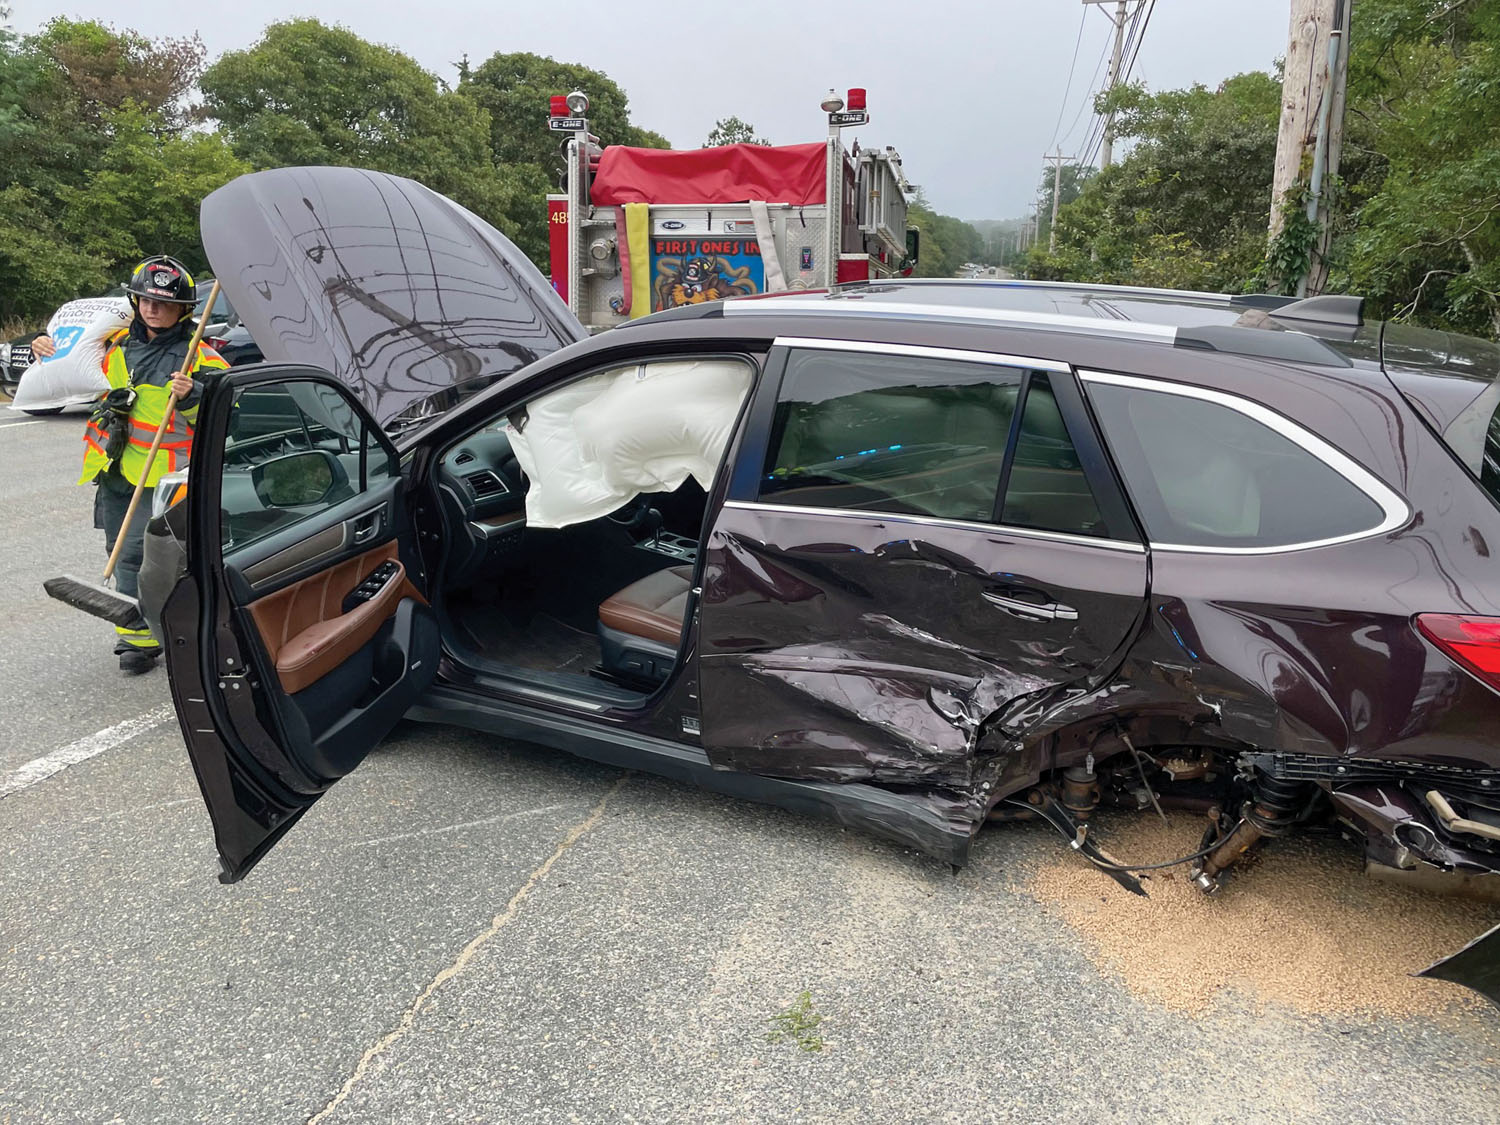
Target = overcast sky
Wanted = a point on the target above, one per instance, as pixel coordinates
(968, 91)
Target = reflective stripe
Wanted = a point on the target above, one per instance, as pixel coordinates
(151, 405)
(136, 638)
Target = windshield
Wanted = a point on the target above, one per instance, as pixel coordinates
(437, 403)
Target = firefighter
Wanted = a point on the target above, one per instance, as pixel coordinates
(141, 364)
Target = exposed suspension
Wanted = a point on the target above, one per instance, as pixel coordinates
(1271, 811)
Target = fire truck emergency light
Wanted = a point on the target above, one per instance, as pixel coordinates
(856, 98)
(832, 103)
(577, 103)
(557, 106)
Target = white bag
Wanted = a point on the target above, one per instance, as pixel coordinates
(76, 373)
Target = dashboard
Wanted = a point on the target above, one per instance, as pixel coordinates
(484, 490)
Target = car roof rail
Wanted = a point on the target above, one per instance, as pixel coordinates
(1338, 310)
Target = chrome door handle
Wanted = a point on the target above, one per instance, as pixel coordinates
(1048, 611)
(366, 526)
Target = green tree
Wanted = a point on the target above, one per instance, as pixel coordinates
(307, 93)
(515, 89)
(1189, 205)
(144, 196)
(1070, 186)
(732, 131)
(947, 243)
(104, 69)
(61, 92)
(1425, 114)
(40, 267)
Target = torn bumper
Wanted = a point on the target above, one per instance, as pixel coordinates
(1408, 826)
(1476, 966)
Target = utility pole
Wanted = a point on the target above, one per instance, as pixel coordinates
(1107, 152)
(1309, 139)
(1057, 162)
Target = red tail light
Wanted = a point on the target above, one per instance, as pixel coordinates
(215, 342)
(1471, 642)
(558, 105)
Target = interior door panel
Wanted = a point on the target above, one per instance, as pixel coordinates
(304, 629)
(342, 675)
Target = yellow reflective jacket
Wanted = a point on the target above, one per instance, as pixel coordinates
(150, 404)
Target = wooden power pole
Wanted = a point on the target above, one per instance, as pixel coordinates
(1057, 162)
(1107, 150)
(1309, 140)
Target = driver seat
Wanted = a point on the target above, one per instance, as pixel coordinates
(640, 628)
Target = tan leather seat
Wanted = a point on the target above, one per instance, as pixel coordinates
(652, 607)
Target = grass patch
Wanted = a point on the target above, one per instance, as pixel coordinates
(799, 1023)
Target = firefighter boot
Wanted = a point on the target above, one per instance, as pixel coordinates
(137, 649)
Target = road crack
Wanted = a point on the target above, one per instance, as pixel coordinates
(499, 922)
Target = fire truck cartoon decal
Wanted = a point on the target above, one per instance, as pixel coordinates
(691, 271)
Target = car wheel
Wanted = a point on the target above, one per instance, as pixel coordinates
(44, 413)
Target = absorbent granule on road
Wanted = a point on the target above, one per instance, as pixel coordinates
(1300, 925)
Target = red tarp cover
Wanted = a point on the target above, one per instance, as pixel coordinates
(727, 174)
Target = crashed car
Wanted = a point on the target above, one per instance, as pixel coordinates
(916, 555)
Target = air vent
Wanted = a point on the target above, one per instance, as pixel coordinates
(463, 458)
(485, 483)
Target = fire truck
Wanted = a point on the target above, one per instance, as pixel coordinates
(639, 230)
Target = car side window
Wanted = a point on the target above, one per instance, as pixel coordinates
(890, 433)
(293, 450)
(1047, 489)
(1205, 474)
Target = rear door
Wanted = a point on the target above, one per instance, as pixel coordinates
(301, 631)
(917, 543)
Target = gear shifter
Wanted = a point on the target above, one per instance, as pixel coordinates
(650, 520)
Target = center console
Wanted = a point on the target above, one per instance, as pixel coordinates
(674, 546)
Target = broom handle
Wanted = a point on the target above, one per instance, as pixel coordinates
(161, 430)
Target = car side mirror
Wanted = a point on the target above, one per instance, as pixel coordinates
(298, 479)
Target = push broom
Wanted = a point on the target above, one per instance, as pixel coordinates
(98, 599)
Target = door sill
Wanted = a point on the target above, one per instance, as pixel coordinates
(557, 689)
(896, 816)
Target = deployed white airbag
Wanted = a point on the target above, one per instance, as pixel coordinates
(594, 445)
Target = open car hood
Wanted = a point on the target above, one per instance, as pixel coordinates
(396, 290)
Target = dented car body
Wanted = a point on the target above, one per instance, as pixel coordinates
(940, 554)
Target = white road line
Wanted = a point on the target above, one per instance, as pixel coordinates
(39, 769)
(457, 827)
(497, 923)
(18, 425)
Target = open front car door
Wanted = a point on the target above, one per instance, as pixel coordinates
(301, 630)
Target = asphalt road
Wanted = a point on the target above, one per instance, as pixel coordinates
(479, 931)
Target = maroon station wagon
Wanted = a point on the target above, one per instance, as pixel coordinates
(915, 555)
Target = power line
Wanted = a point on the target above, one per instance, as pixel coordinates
(1088, 96)
(1068, 89)
(1134, 37)
(1150, 7)
(1137, 36)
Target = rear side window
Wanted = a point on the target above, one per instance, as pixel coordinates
(1204, 474)
(890, 433)
(1047, 489)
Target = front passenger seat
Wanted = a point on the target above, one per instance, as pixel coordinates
(640, 628)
